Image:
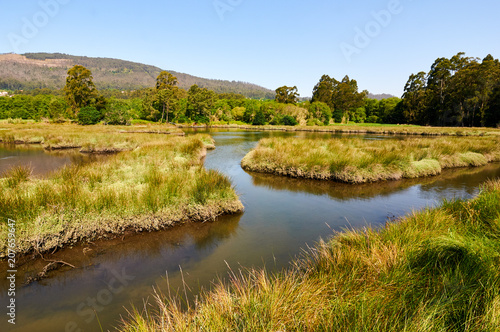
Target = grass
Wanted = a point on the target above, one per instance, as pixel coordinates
(157, 184)
(374, 128)
(434, 270)
(88, 139)
(355, 160)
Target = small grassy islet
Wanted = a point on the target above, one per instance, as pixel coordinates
(355, 160)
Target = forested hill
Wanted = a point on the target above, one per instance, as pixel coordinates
(49, 70)
(379, 96)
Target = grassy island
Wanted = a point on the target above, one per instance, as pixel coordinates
(158, 182)
(354, 160)
(434, 270)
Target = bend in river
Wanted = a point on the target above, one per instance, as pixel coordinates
(282, 215)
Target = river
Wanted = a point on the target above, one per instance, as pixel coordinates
(282, 217)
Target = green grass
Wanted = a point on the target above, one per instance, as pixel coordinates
(160, 182)
(355, 160)
(434, 270)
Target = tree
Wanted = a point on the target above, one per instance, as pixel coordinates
(414, 97)
(492, 113)
(323, 91)
(166, 91)
(79, 89)
(200, 102)
(346, 98)
(287, 95)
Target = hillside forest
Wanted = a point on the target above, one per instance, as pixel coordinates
(459, 91)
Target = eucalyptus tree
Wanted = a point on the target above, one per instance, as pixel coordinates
(287, 95)
(80, 90)
(166, 92)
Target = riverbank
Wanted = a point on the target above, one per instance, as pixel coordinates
(435, 270)
(354, 160)
(161, 181)
(366, 128)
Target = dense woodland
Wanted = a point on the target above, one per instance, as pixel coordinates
(460, 91)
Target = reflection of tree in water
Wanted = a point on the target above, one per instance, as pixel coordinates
(460, 178)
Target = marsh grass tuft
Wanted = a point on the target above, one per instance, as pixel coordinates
(435, 270)
(355, 160)
(17, 174)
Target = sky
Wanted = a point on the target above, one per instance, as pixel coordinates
(379, 43)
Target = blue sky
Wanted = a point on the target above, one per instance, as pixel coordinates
(271, 43)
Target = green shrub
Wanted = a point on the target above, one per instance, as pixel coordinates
(89, 115)
(259, 119)
(289, 120)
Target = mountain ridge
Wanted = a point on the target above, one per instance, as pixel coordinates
(49, 70)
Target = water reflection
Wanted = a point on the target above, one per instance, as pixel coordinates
(462, 180)
(42, 162)
(282, 215)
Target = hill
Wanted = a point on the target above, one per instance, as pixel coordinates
(380, 96)
(48, 70)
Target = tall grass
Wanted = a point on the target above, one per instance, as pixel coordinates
(435, 270)
(356, 160)
(159, 183)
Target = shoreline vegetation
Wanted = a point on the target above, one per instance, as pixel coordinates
(434, 270)
(354, 160)
(367, 128)
(159, 181)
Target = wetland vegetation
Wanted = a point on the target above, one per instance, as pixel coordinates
(434, 270)
(355, 160)
(158, 182)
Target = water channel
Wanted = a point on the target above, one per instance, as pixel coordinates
(282, 217)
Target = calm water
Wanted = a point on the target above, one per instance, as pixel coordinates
(281, 216)
(40, 161)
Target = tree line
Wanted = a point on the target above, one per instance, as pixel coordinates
(460, 91)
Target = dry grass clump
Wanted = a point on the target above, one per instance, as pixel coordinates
(435, 270)
(355, 160)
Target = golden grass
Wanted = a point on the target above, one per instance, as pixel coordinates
(157, 184)
(435, 270)
(355, 160)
